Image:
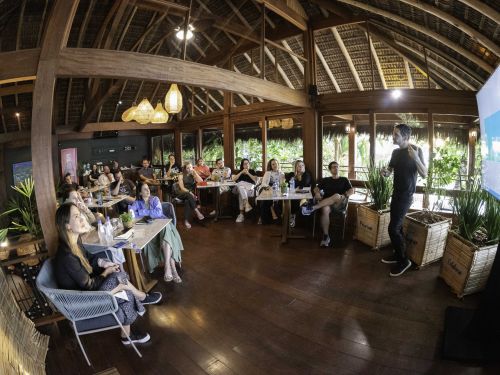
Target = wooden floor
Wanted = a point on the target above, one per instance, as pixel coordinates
(249, 305)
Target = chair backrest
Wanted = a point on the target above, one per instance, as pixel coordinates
(73, 304)
(169, 211)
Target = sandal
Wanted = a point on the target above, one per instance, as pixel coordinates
(177, 279)
(186, 223)
(168, 278)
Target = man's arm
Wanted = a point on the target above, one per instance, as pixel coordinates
(418, 156)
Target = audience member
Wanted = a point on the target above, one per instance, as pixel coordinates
(245, 180)
(202, 169)
(94, 174)
(273, 175)
(106, 177)
(172, 168)
(184, 190)
(302, 179)
(123, 186)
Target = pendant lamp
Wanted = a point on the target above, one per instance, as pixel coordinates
(287, 123)
(160, 116)
(144, 112)
(129, 114)
(173, 100)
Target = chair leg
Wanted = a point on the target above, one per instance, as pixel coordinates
(128, 337)
(314, 225)
(80, 343)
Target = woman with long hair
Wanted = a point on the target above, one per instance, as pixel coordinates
(302, 179)
(245, 180)
(76, 270)
(184, 190)
(270, 209)
(167, 245)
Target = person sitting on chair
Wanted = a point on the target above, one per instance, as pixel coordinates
(245, 180)
(123, 186)
(147, 175)
(302, 179)
(273, 175)
(106, 177)
(74, 271)
(331, 194)
(184, 190)
(72, 196)
(172, 168)
(94, 174)
(167, 245)
(202, 169)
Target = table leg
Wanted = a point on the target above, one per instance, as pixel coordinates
(217, 203)
(286, 221)
(134, 270)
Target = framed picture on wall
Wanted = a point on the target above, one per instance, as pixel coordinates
(69, 163)
(21, 171)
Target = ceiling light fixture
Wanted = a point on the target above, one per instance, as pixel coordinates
(179, 33)
(396, 94)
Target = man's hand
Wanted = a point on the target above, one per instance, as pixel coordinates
(385, 172)
(413, 153)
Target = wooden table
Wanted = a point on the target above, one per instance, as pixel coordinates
(216, 185)
(267, 195)
(106, 202)
(143, 234)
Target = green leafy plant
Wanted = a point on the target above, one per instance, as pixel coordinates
(23, 210)
(126, 217)
(491, 218)
(467, 206)
(3, 234)
(379, 187)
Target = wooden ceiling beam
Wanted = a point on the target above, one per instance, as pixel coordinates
(343, 48)
(422, 29)
(293, 56)
(377, 63)
(287, 13)
(459, 24)
(120, 125)
(19, 65)
(13, 90)
(85, 62)
(327, 68)
(282, 73)
(162, 6)
(484, 9)
(408, 74)
(14, 136)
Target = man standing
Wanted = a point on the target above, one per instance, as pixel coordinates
(406, 162)
(336, 191)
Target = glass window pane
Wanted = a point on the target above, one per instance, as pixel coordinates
(188, 148)
(213, 147)
(168, 146)
(156, 150)
(248, 144)
(284, 141)
(335, 144)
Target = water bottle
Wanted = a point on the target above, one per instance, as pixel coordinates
(275, 189)
(292, 185)
(99, 198)
(108, 230)
(131, 212)
(101, 232)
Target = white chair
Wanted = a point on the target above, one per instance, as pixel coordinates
(88, 312)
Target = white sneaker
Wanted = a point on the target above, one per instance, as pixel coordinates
(259, 222)
(212, 213)
(325, 242)
(292, 221)
(248, 207)
(240, 218)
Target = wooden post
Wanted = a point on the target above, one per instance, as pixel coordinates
(55, 38)
(427, 69)
(370, 52)
(199, 143)
(178, 145)
(228, 132)
(372, 137)
(352, 150)
(263, 42)
(430, 140)
(186, 24)
(263, 124)
(310, 137)
(472, 151)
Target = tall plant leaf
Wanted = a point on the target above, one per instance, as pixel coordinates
(379, 187)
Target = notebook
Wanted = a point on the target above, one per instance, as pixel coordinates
(126, 235)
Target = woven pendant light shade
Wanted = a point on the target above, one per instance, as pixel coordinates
(144, 112)
(273, 124)
(173, 99)
(129, 114)
(287, 123)
(160, 116)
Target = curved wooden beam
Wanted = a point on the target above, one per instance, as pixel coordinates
(421, 29)
(85, 62)
(483, 8)
(459, 24)
(55, 38)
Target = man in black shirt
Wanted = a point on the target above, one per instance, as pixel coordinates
(123, 186)
(406, 162)
(331, 194)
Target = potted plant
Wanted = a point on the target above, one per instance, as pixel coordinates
(127, 220)
(283, 186)
(471, 248)
(373, 218)
(426, 231)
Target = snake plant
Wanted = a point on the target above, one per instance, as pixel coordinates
(379, 187)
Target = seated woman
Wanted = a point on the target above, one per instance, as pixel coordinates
(245, 180)
(94, 174)
(72, 196)
(172, 168)
(184, 190)
(74, 271)
(273, 175)
(202, 169)
(302, 179)
(167, 245)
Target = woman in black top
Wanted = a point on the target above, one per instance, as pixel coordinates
(74, 271)
(94, 174)
(172, 168)
(184, 190)
(245, 182)
(302, 179)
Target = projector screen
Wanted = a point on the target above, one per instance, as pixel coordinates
(488, 102)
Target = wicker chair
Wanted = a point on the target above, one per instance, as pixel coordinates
(88, 312)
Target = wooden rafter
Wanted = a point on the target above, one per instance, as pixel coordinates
(294, 58)
(408, 74)
(19, 65)
(13, 90)
(205, 103)
(282, 73)
(377, 63)
(459, 24)
(281, 9)
(327, 68)
(484, 9)
(343, 48)
(432, 34)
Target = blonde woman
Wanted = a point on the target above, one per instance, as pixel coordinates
(271, 209)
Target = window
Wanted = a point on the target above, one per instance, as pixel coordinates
(161, 147)
(284, 141)
(335, 143)
(213, 147)
(188, 148)
(248, 144)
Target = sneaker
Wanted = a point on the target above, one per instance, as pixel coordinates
(391, 259)
(259, 222)
(152, 298)
(240, 218)
(212, 213)
(325, 242)
(307, 209)
(292, 221)
(136, 338)
(248, 207)
(400, 268)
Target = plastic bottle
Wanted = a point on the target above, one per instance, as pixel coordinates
(99, 198)
(108, 231)
(292, 185)
(101, 232)
(131, 212)
(275, 189)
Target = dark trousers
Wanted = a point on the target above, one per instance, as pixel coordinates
(399, 207)
(189, 204)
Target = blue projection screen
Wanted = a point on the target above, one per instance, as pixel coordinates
(488, 102)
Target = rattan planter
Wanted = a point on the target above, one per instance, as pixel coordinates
(425, 242)
(372, 226)
(466, 267)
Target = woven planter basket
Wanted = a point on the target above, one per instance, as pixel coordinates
(466, 267)
(28, 249)
(372, 226)
(425, 242)
(4, 254)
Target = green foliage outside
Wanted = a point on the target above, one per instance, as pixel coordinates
(335, 148)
